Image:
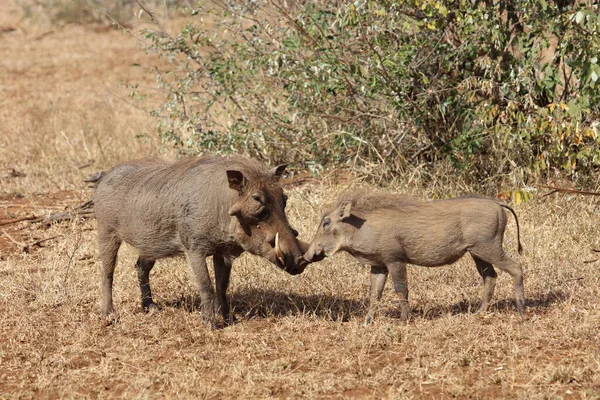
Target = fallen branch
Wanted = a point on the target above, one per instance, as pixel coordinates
(27, 246)
(592, 261)
(14, 221)
(12, 239)
(40, 241)
(565, 190)
(85, 210)
(85, 165)
(30, 206)
(62, 216)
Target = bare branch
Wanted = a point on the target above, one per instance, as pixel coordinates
(14, 221)
(565, 190)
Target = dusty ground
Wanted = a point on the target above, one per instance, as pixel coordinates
(62, 118)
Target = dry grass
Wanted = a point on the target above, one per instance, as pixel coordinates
(297, 336)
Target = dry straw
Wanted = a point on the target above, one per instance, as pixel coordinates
(297, 336)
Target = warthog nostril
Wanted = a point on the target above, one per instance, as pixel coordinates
(294, 232)
(314, 255)
(300, 261)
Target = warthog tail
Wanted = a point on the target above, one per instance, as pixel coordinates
(95, 179)
(519, 248)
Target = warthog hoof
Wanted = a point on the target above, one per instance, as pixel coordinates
(109, 319)
(230, 320)
(482, 308)
(208, 318)
(150, 308)
(404, 310)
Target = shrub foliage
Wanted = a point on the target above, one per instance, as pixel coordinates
(502, 91)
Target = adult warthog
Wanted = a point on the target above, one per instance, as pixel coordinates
(388, 231)
(197, 207)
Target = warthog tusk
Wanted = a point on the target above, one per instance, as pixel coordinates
(278, 251)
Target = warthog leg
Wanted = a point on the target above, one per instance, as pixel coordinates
(378, 278)
(500, 260)
(143, 267)
(108, 244)
(487, 272)
(201, 279)
(400, 280)
(222, 273)
(514, 269)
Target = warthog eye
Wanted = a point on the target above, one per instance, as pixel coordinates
(326, 222)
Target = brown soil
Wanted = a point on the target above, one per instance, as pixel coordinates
(62, 117)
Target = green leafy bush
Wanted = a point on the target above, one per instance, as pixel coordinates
(497, 92)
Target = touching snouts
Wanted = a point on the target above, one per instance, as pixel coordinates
(291, 262)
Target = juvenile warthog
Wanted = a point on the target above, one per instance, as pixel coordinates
(388, 231)
(197, 207)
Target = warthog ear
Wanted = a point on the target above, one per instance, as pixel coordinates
(237, 180)
(278, 170)
(344, 210)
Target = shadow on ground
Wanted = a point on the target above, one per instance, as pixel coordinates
(534, 304)
(251, 304)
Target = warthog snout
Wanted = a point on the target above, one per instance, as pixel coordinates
(290, 261)
(314, 253)
(299, 265)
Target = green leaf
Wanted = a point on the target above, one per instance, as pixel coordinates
(573, 109)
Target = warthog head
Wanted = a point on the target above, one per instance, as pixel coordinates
(336, 225)
(263, 228)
